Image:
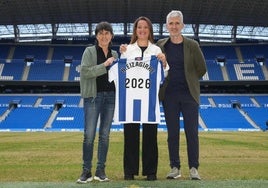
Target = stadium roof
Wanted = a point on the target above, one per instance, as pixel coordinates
(209, 12)
(224, 12)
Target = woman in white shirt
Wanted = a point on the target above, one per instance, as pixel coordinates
(141, 46)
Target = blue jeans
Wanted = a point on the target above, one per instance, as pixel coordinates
(102, 108)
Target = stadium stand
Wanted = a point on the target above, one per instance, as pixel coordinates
(227, 119)
(20, 100)
(262, 100)
(25, 119)
(2, 110)
(57, 112)
(38, 52)
(214, 70)
(218, 112)
(68, 101)
(69, 119)
(212, 52)
(250, 52)
(244, 71)
(12, 70)
(40, 70)
(259, 115)
(4, 53)
(61, 51)
(227, 101)
(74, 71)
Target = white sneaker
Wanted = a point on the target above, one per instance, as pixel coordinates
(174, 173)
(194, 174)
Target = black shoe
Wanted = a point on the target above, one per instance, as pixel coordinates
(101, 176)
(129, 177)
(151, 177)
(85, 177)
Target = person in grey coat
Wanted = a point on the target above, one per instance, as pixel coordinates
(99, 101)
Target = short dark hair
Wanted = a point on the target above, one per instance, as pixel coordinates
(104, 26)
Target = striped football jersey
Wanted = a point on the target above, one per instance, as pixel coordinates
(137, 84)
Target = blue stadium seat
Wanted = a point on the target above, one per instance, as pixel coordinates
(204, 102)
(68, 101)
(259, 116)
(69, 119)
(262, 100)
(25, 119)
(23, 101)
(244, 71)
(39, 52)
(74, 73)
(251, 51)
(70, 116)
(4, 49)
(40, 70)
(211, 52)
(2, 110)
(214, 70)
(224, 119)
(227, 101)
(61, 51)
(13, 70)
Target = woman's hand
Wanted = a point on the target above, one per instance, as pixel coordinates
(123, 48)
(109, 61)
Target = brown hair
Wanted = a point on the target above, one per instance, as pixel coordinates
(134, 36)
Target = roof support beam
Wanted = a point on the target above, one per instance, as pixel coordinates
(89, 29)
(233, 34)
(16, 33)
(196, 32)
(55, 28)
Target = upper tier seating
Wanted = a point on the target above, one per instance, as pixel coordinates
(12, 70)
(49, 60)
(212, 52)
(61, 51)
(74, 74)
(250, 52)
(4, 49)
(214, 70)
(38, 52)
(244, 71)
(40, 70)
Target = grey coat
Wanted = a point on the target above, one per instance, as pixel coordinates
(90, 71)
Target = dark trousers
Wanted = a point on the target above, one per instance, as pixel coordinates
(132, 148)
(174, 106)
